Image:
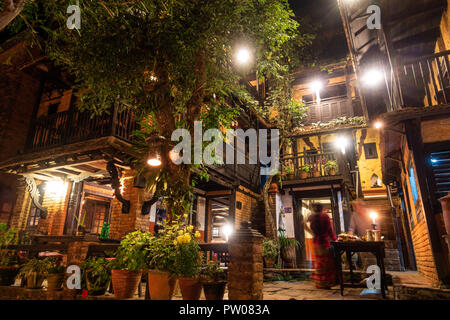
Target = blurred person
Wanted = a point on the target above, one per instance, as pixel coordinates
(324, 274)
(360, 221)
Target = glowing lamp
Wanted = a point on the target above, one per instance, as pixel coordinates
(243, 56)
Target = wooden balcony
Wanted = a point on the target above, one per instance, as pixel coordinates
(69, 127)
(332, 108)
(425, 81)
(292, 165)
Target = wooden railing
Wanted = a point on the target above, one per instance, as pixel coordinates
(315, 162)
(329, 109)
(74, 126)
(425, 81)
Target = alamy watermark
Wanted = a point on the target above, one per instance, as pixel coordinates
(214, 153)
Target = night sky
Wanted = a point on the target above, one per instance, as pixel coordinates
(330, 44)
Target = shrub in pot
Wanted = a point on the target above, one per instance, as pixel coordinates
(304, 170)
(56, 273)
(214, 281)
(97, 273)
(287, 249)
(9, 261)
(188, 262)
(269, 252)
(331, 167)
(129, 261)
(34, 273)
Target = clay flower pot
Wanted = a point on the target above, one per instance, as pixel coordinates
(125, 283)
(214, 290)
(160, 285)
(303, 175)
(191, 288)
(34, 281)
(8, 275)
(55, 281)
(288, 256)
(332, 172)
(316, 174)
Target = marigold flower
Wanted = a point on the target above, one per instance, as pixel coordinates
(175, 242)
(185, 215)
(180, 232)
(187, 238)
(190, 228)
(197, 234)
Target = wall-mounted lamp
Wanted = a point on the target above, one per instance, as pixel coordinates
(243, 56)
(341, 142)
(380, 125)
(55, 188)
(227, 231)
(154, 159)
(372, 77)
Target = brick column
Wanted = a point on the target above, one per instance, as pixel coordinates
(245, 271)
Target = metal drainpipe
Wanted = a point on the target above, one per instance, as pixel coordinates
(396, 226)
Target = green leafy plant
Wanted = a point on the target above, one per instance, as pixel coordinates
(104, 234)
(55, 265)
(131, 254)
(287, 243)
(8, 237)
(331, 165)
(288, 169)
(176, 249)
(97, 271)
(269, 249)
(212, 272)
(305, 168)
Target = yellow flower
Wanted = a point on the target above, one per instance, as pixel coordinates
(175, 242)
(185, 215)
(197, 234)
(180, 239)
(180, 232)
(187, 238)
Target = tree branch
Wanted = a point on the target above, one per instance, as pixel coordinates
(11, 10)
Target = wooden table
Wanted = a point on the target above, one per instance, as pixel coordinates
(349, 247)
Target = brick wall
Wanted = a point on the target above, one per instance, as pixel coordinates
(121, 223)
(249, 206)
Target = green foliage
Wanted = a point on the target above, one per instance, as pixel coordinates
(287, 243)
(305, 168)
(104, 234)
(212, 272)
(330, 165)
(55, 265)
(8, 237)
(269, 249)
(99, 273)
(131, 254)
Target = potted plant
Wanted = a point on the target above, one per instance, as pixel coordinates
(97, 272)
(188, 262)
(304, 170)
(80, 228)
(56, 272)
(213, 279)
(287, 249)
(269, 252)
(34, 273)
(315, 171)
(127, 266)
(289, 170)
(8, 258)
(331, 167)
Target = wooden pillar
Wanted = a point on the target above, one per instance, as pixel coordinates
(245, 271)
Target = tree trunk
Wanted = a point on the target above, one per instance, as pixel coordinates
(11, 9)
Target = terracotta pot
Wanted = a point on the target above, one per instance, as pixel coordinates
(303, 174)
(332, 172)
(445, 203)
(96, 291)
(191, 288)
(214, 290)
(55, 281)
(125, 283)
(8, 275)
(316, 174)
(290, 176)
(34, 281)
(269, 262)
(161, 285)
(288, 256)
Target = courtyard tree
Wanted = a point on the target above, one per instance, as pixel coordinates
(173, 63)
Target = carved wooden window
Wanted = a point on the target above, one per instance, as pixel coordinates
(370, 151)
